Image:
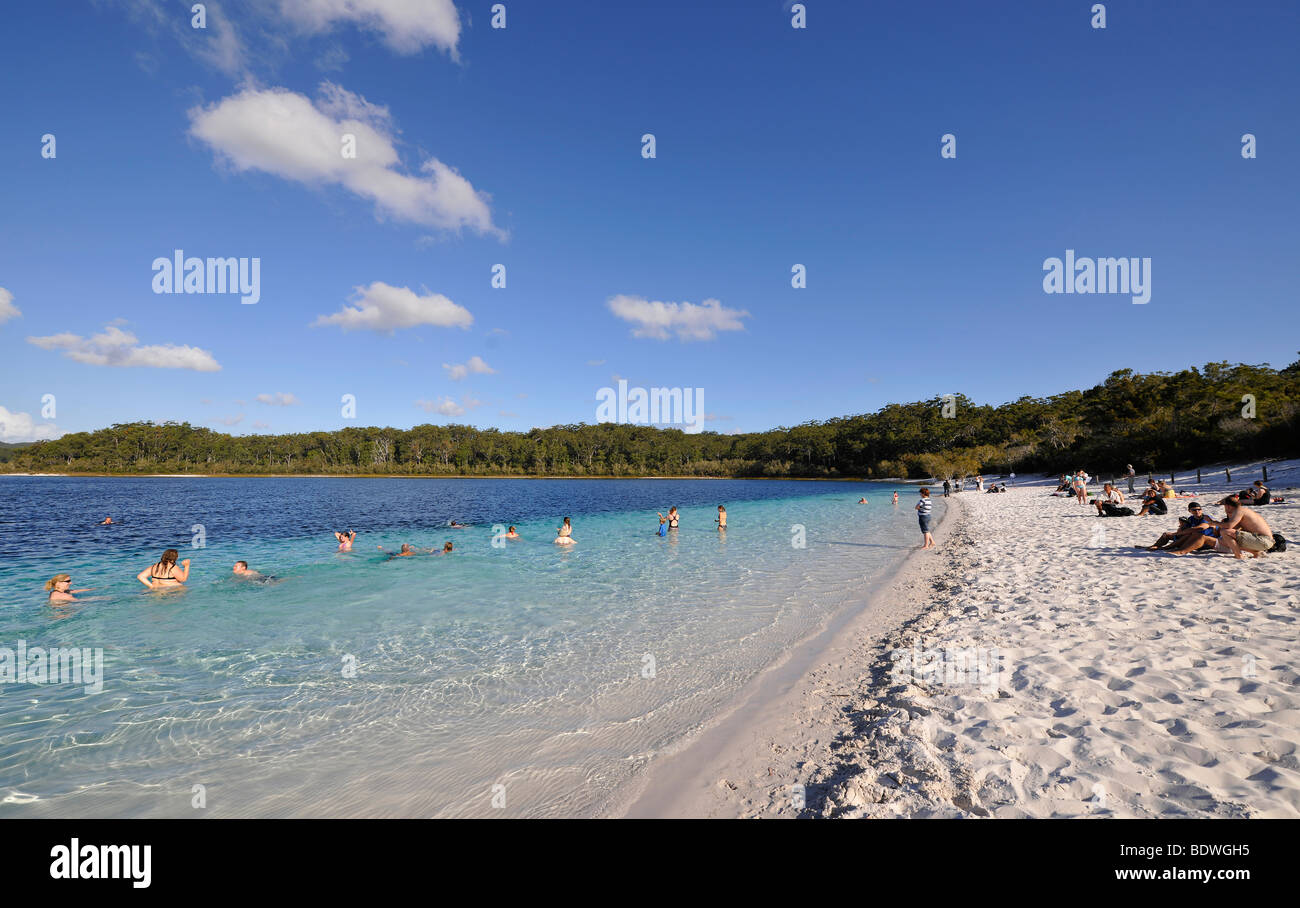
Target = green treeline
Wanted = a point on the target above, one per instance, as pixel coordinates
(1158, 421)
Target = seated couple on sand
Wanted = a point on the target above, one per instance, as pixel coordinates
(1241, 530)
(1258, 494)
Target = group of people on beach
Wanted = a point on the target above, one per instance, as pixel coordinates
(1242, 529)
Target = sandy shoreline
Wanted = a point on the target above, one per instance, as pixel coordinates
(1082, 678)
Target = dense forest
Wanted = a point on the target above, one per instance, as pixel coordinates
(1158, 421)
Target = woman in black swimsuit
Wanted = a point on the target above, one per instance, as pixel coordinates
(165, 574)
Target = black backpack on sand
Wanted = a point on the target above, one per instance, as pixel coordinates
(1279, 543)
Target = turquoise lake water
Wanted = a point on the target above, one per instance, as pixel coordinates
(543, 676)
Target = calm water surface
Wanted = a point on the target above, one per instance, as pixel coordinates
(556, 673)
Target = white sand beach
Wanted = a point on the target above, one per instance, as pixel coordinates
(1036, 664)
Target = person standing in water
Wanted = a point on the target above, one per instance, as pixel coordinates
(564, 534)
(924, 508)
(895, 498)
(59, 587)
(722, 517)
(346, 540)
(165, 574)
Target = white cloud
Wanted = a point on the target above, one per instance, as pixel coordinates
(7, 308)
(281, 132)
(21, 427)
(445, 406)
(688, 321)
(407, 26)
(595, 362)
(231, 420)
(382, 307)
(279, 399)
(457, 371)
(115, 347)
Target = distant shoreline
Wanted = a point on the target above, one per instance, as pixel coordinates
(447, 476)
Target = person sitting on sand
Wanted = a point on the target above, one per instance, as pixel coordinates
(346, 540)
(511, 534)
(1194, 525)
(59, 587)
(1152, 503)
(1258, 493)
(165, 575)
(564, 534)
(1064, 484)
(1243, 529)
(722, 515)
(106, 521)
(1110, 495)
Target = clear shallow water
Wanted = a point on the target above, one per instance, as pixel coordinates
(520, 665)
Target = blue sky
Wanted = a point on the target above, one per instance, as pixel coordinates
(775, 146)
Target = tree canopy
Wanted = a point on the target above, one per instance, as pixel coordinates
(1157, 421)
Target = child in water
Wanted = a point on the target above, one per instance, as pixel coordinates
(722, 517)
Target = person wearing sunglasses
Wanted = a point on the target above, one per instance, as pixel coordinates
(60, 588)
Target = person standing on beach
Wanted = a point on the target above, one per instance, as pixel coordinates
(1131, 475)
(947, 489)
(924, 509)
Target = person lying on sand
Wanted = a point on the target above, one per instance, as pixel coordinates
(1244, 529)
(1196, 524)
(1257, 494)
(59, 587)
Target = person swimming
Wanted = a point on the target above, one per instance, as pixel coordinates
(446, 547)
(165, 575)
(106, 521)
(722, 517)
(346, 540)
(862, 501)
(457, 526)
(242, 571)
(564, 534)
(511, 534)
(59, 587)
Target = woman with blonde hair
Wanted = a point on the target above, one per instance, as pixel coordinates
(59, 588)
(165, 575)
